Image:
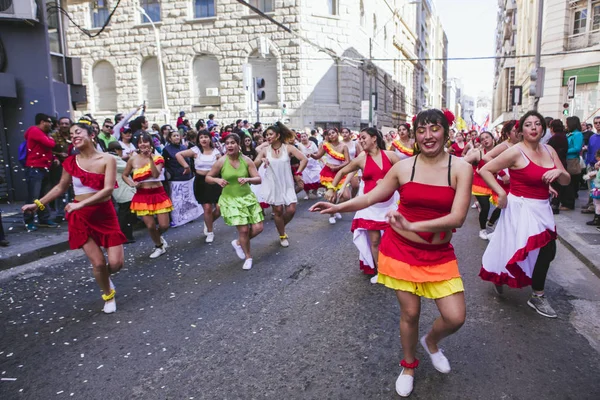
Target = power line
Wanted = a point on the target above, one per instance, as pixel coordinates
(59, 9)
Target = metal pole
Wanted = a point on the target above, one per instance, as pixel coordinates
(161, 71)
(370, 84)
(538, 46)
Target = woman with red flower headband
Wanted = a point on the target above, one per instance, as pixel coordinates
(150, 198)
(92, 218)
(403, 145)
(416, 258)
(336, 158)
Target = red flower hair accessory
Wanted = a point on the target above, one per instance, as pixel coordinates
(449, 117)
(517, 125)
(408, 126)
(414, 118)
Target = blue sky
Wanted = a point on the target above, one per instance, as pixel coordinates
(471, 28)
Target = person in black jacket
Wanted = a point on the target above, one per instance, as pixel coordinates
(558, 142)
(175, 172)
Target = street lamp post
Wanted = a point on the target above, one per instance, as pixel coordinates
(161, 71)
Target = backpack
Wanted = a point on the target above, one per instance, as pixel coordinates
(23, 152)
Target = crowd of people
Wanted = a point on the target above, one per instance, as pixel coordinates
(411, 188)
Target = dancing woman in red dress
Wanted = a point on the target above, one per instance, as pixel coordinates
(92, 218)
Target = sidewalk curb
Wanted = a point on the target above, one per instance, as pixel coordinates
(588, 263)
(33, 255)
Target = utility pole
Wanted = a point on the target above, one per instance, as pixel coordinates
(370, 83)
(538, 49)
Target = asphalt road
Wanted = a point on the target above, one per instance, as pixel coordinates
(304, 323)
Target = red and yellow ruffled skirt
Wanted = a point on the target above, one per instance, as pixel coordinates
(97, 221)
(151, 201)
(327, 176)
(428, 270)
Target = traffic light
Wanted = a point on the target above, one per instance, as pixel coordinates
(259, 93)
(566, 109)
(536, 86)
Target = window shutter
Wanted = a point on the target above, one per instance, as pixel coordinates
(151, 83)
(206, 75)
(105, 87)
(326, 89)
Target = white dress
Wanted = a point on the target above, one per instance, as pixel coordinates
(311, 176)
(278, 183)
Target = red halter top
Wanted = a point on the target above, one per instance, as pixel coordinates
(372, 173)
(423, 202)
(527, 182)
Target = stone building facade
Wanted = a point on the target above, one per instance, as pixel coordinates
(211, 49)
(568, 26)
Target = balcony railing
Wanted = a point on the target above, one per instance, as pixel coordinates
(583, 40)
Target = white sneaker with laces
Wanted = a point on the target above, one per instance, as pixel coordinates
(210, 237)
(238, 249)
(404, 384)
(332, 220)
(438, 359)
(165, 245)
(158, 251)
(338, 215)
(374, 279)
(247, 264)
(483, 234)
(110, 306)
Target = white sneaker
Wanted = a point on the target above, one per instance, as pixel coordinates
(247, 264)
(475, 205)
(158, 251)
(489, 235)
(110, 306)
(165, 245)
(374, 279)
(332, 220)
(210, 237)
(404, 384)
(483, 234)
(305, 197)
(238, 250)
(205, 229)
(338, 215)
(284, 241)
(438, 359)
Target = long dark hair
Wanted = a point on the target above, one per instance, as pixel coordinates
(285, 133)
(374, 132)
(206, 133)
(573, 123)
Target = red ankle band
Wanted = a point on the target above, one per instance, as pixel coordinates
(412, 365)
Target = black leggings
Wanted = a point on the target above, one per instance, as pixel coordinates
(484, 210)
(547, 254)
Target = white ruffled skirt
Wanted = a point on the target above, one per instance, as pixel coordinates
(525, 226)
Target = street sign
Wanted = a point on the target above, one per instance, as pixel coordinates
(364, 110)
(517, 95)
(571, 85)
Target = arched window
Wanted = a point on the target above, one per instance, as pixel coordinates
(265, 68)
(151, 83)
(326, 76)
(207, 81)
(105, 87)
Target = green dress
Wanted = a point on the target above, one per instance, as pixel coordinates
(239, 206)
